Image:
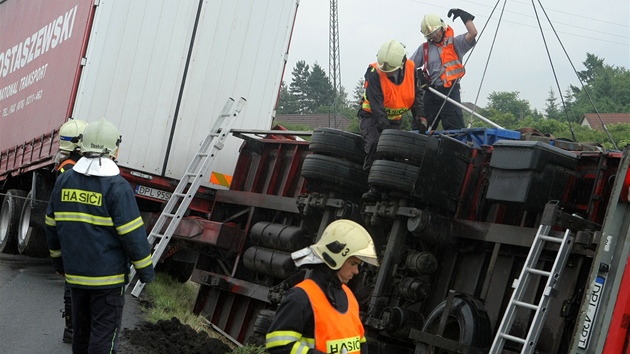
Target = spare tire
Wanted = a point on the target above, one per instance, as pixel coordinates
(400, 145)
(337, 143)
(393, 175)
(467, 323)
(325, 173)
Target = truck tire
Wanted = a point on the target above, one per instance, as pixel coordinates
(179, 270)
(402, 145)
(10, 220)
(31, 234)
(261, 326)
(467, 323)
(263, 321)
(337, 143)
(330, 173)
(393, 175)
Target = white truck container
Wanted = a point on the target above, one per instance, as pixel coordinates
(161, 71)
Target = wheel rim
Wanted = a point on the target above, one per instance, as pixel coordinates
(25, 224)
(4, 222)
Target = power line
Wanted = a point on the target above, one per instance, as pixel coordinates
(607, 33)
(584, 17)
(572, 34)
(524, 3)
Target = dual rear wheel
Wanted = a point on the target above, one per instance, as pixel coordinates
(22, 227)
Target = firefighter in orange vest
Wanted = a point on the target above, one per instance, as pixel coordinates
(441, 59)
(390, 90)
(321, 314)
(69, 153)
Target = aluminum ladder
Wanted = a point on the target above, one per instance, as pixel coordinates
(182, 196)
(521, 284)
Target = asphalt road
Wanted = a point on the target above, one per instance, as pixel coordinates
(31, 297)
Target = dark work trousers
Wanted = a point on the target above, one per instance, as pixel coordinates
(451, 115)
(67, 299)
(370, 134)
(96, 319)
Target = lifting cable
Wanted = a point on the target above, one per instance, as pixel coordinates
(553, 69)
(576, 74)
(550, 61)
(494, 39)
(448, 95)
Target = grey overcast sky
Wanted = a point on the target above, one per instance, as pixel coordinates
(510, 50)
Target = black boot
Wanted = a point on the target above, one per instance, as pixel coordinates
(67, 332)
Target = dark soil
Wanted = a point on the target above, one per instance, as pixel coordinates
(168, 337)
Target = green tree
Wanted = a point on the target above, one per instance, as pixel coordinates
(319, 91)
(551, 107)
(509, 102)
(608, 87)
(593, 65)
(357, 93)
(286, 102)
(299, 86)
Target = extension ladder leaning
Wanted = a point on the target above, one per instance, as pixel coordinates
(181, 197)
(520, 289)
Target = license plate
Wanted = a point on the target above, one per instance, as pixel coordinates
(153, 193)
(593, 304)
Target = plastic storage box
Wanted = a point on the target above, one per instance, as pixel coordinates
(529, 172)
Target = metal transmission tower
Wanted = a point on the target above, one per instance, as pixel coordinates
(334, 65)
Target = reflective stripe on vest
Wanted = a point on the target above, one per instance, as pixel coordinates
(334, 331)
(397, 99)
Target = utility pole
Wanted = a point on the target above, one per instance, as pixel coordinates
(334, 64)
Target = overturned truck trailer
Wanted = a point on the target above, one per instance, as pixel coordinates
(487, 243)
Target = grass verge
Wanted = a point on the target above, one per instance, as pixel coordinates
(167, 298)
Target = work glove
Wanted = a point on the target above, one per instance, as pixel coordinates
(382, 124)
(423, 82)
(465, 16)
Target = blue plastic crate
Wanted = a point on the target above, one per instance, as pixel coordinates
(482, 136)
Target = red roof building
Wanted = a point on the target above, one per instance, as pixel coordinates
(592, 121)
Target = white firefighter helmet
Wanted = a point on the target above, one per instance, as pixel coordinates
(390, 56)
(70, 134)
(100, 138)
(430, 24)
(343, 239)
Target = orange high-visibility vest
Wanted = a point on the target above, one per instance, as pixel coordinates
(397, 99)
(334, 330)
(61, 168)
(452, 69)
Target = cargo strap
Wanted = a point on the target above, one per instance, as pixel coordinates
(521, 290)
(183, 194)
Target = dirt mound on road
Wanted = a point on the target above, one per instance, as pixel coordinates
(169, 337)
